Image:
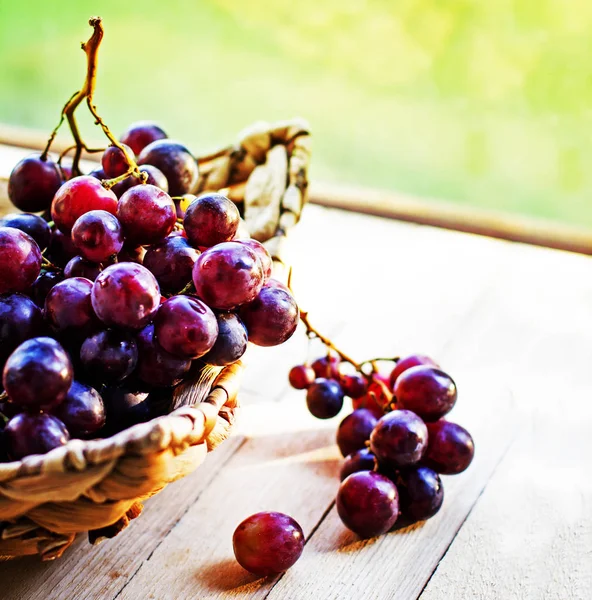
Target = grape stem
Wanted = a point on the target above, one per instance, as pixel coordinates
(91, 48)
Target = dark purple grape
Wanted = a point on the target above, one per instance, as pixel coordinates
(450, 448)
(399, 439)
(360, 460)
(428, 392)
(185, 327)
(301, 377)
(38, 374)
(228, 275)
(131, 254)
(20, 260)
(271, 318)
(156, 366)
(211, 219)
(98, 173)
(28, 434)
(326, 366)
(61, 248)
(421, 493)
(68, 308)
(368, 503)
(138, 135)
(125, 407)
(43, 284)
(114, 162)
(231, 342)
(78, 267)
(147, 214)
(324, 398)
(78, 196)
(98, 235)
(125, 295)
(32, 225)
(171, 262)
(109, 356)
(261, 251)
(407, 362)
(82, 411)
(154, 177)
(33, 183)
(354, 431)
(354, 386)
(20, 320)
(268, 543)
(176, 162)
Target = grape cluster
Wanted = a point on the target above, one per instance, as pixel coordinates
(124, 286)
(396, 442)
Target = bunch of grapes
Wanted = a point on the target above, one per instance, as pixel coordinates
(125, 285)
(396, 442)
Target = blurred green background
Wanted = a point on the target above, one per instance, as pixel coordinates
(483, 103)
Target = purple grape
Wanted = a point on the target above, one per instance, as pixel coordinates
(61, 248)
(82, 411)
(32, 225)
(78, 267)
(20, 320)
(354, 431)
(268, 543)
(271, 318)
(324, 398)
(155, 177)
(261, 251)
(185, 327)
(98, 235)
(125, 407)
(131, 254)
(20, 260)
(156, 366)
(98, 173)
(360, 460)
(427, 391)
(38, 374)
(176, 163)
(138, 135)
(33, 183)
(28, 434)
(109, 356)
(368, 503)
(421, 493)
(450, 448)
(147, 214)
(211, 219)
(228, 275)
(43, 284)
(125, 295)
(231, 342)
(399, 439)
(114, 162)
(407, 362)
(171, 262)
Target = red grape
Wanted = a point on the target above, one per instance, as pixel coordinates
(211, 219)
(171, 262)
(82, 410)
(32, 225)
(138, 135)
(185, 327)
(20, 320)
(272, 318)
(360, 460)
(354, 386)
(68, 307)
(268, 543)
(33, 183)
(156, 366)
(114, 162)
(399, 439)
(43, 284)
(324, 398)
(125, 295)
(263, 255)
(375, 399)
(450, 448)
(38, 374)
(427, 391)
(354, 431)
(413, 360)
(326, 366)
(176, 163)
(368, 503)
(78, 196)
(78, 267)
(155, 177)
(98, 235)
(421, 493)
(20, 260)
(109, 356)
(301, 377)
(28, 434)
(147, 214)
(228, 275)
(231, 343)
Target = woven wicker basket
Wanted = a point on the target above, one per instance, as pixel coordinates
(97, 486)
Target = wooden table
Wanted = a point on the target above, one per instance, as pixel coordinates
(512, 324)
